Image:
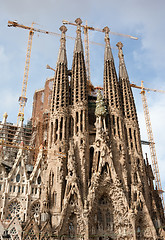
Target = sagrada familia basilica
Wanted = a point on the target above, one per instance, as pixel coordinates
(76, 170)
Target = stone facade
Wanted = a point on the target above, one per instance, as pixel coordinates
(82, 174)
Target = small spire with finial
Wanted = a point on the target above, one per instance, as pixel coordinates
(122, 68)
(108, 52)
(78, 43)
(62, 52)
(120, 53)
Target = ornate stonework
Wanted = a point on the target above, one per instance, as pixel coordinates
(82, 174)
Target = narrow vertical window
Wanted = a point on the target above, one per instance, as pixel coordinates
(51, 133)
(61, 126)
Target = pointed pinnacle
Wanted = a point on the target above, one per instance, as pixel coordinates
(119, 45)
(78, 42)
(63, 29)
(106, 30)
(78, 21)
(120, 53)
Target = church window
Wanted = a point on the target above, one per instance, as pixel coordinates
(36, 191)
(56, 128)
(19, 188)
(135, 139)
(22, 189)
(81, 120)
(108, 219)
(118, 127)
(72, 227)
(130, 133)
(14, 234)
(18, 177)
(99, 216)
(104, 216)
(135, 178)
(14, 189)
(35, 209)
(61, 127)
(32, 190)
(0, 187)
(54, 198)
(10, 188)
(51, 134)
(32, 235)
(71, 230)
(14, 210)
(39, 179)
(135, 196)
(98, 157)
(71, 126)
(91, 161)
(66, 127)
(76, 122)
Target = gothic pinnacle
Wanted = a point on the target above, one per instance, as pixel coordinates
(63, 29)
(120, 53)
(78, 43)
(122, 67)
(62, 52)
(78, 21)
(108, 52)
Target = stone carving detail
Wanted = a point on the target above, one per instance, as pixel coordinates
(79, 172)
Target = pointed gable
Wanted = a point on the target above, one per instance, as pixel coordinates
(18, 172)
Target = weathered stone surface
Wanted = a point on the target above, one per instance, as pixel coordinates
(86, 177)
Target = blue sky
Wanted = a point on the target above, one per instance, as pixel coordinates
(144, 58)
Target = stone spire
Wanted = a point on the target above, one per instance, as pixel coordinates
(78, 43)
(60, 97)
(62, 58)
(79, 79)
(111, 93)
(126, 91)
(108, 52)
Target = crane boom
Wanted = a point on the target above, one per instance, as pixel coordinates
(86, 43)
(99, 30)
(147, 89)
(154, 160)
(15, 24)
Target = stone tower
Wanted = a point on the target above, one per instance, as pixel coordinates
(89, 180)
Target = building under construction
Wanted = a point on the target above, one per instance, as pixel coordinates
(76, 170)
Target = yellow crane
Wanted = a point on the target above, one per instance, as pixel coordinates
(23, 98)
(86, 44)
(154, 160)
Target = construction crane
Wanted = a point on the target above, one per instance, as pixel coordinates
(154, 160)
(23, 98)
(86, 44)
